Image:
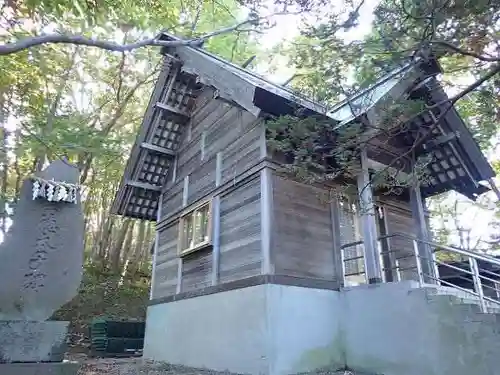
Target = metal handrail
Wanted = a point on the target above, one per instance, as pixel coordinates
(452, 249)
(474, 273)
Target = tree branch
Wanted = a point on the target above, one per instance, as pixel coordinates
(451, 101)
(26, 43)
(463, 51)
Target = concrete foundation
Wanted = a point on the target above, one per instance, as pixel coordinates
(390, 329)
(65, 368)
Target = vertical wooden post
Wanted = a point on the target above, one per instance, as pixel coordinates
(266, 205)
(368, 224)
(189, 131)
(215, 239)
(174, 170)
(216, 222)
(218, 169)
(338, 267)
(185, 191)
(156, 245)
(262, 141)
(202, 144)
(388, 259)
(424, 250)
(178, 289)
(184, 204)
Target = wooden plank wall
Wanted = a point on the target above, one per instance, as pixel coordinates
(240, 240)
(202, 181)
(196, 270)
(165, 280)
(215, 128)
(399, 220)
(302, 242)
(172, 200)
(244, 151)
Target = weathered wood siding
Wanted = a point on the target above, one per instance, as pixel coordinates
(196, 270)
(202, 181)
(165, 280)
(240, 242)
(399, 220)
(244, 150)
(217, 130)
(302, 230)
(215, 127)
(172, 199)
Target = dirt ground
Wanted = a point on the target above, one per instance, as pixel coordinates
(136, 366)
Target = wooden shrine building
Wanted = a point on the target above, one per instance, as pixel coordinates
(244, 257)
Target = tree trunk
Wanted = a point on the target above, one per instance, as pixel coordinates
(3, 161)
(17, 168)
(87, 210)
(104, 243)
(51, 115)
(146, 249)
(116, 250)
(128, 247)
(5, 177)
(132, 263)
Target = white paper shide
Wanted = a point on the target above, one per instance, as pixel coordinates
(54, 191)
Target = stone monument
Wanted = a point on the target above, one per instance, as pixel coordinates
(41, 262)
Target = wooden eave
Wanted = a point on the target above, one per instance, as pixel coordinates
(155, 146)
(456, 161)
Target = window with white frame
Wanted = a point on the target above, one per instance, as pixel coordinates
(194, 229)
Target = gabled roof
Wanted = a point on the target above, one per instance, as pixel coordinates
(360, 103)
(234, 83)
(186, 69)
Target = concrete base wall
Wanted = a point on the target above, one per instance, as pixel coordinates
(398, 329)
(391, 329)
(219, 331)
(31, 341)
(65, 368)
(264, 329)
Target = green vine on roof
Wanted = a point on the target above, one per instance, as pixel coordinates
(311, 148)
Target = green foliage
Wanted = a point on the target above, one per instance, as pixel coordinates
(316, 149)
(103, 294)
(309, 147)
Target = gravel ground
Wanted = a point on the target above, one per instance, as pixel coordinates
(136, 366)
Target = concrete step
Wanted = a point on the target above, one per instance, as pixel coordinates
(457, 296)
(492, 307)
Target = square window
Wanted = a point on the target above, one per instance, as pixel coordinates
(195, 229)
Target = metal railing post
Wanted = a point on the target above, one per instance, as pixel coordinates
(477, 283)
(398, 271)
(381, 261)
(419, 265)
(436, 269)
(342, 260)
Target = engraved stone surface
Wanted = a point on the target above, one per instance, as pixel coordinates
(42, 256)
(65, 368)
(28, 341)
